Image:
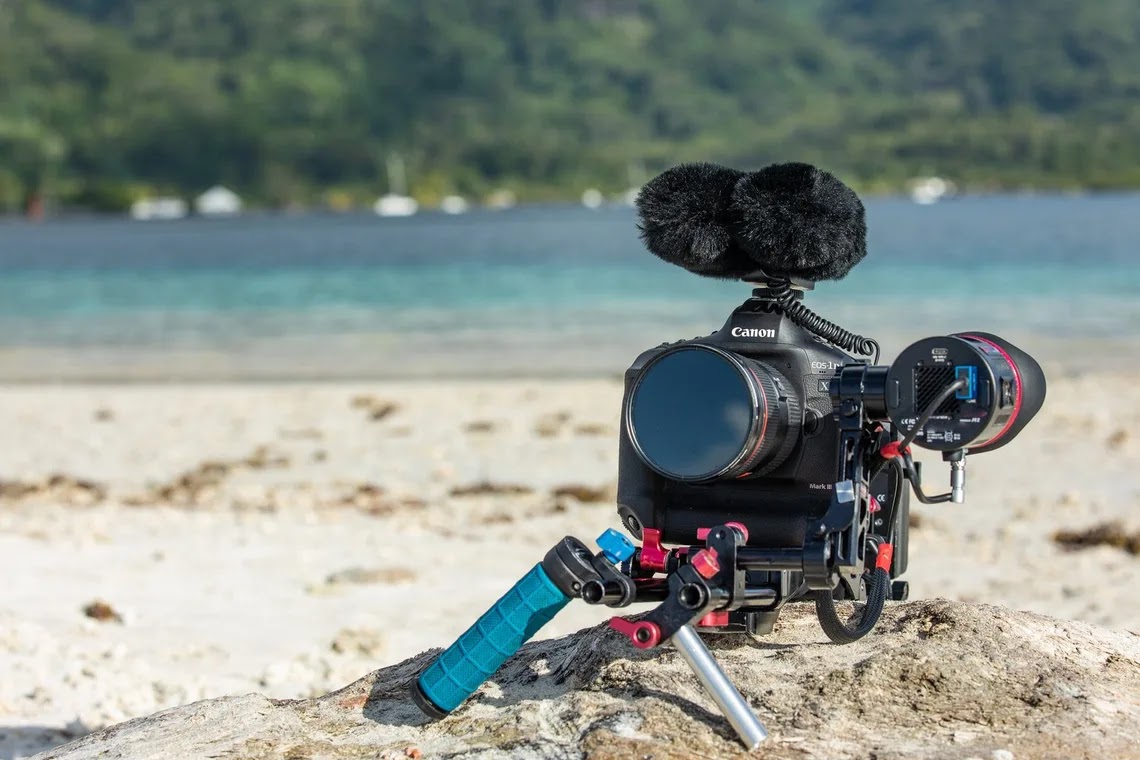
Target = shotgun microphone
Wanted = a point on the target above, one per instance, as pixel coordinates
(789, 220)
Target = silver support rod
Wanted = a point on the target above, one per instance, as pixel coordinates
(748, 727)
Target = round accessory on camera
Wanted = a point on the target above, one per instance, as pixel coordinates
(698, 413)
(1000, 389)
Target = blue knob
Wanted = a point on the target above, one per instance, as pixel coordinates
(615, 547)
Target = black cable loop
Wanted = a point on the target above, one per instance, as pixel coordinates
(836, 628)
(785, 299)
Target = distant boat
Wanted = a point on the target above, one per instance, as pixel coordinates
(395, 205)
(396, 202)
(151, 209)
(218, 201)
(501, 199)
(453, 204)
(592, 198)
(928, 190)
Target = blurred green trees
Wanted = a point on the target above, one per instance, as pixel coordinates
(291, 101)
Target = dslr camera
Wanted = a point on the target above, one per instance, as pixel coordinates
(779, 422)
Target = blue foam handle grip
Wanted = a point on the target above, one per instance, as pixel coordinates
(486, 645)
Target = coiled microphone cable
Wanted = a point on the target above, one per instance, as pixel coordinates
(784, 297)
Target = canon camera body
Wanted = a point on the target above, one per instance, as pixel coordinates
(775, 481)
(759, 424)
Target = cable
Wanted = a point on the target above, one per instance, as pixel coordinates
(929, 411)
(908, 468)
(916, 483)
(785, 298)
(836, 629)
(900, 478)
(901, 448)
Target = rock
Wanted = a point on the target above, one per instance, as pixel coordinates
(1118, 439)
(488, 488)
(376, 408)
(59, 488)
(935, 679)
(102, 611)
(1105, 534)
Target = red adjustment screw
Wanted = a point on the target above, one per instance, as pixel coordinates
(892, 450)
(643, 634)
(703, 533)
(740, 527)
(705, 563)
(653, 555)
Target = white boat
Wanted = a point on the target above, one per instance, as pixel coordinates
(592, 198)
(396, 202)
(928, 190)
(395, 205)
(454, 204)
(218, 201)
(151, 209)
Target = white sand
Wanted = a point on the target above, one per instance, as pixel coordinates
(227, 593)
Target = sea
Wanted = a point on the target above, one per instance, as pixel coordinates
(535, 291)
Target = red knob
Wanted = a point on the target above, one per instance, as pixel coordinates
(705, 563)
(643, 634)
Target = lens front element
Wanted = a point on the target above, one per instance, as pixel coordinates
(697, 413)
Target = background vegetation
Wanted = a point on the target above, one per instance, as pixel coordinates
(302, 101)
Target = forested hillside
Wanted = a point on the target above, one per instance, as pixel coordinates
(289, 100)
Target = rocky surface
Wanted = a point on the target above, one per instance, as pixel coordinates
(936, 679)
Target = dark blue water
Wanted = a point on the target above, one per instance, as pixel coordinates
(551, 289)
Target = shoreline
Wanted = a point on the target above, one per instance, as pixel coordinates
(870, 191)
(378, 358)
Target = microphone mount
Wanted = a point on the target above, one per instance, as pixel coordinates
(777, 288)
(762, 278)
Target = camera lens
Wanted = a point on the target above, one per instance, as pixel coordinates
(698, 413)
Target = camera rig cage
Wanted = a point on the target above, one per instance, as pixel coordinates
(846, 553)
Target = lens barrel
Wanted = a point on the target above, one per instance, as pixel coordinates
(697, 413)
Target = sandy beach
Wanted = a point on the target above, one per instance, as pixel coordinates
(161, 544)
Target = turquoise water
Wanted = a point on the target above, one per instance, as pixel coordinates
(540, 290)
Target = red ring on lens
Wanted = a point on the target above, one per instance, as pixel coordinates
(1016, 379)
(764, 422)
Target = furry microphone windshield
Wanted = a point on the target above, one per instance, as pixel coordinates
(798, 221)
(685, 219)
(790, 220)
